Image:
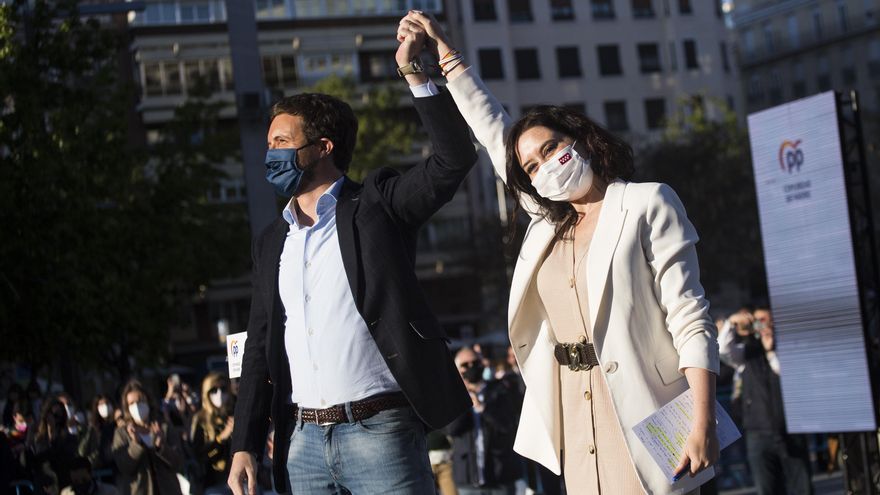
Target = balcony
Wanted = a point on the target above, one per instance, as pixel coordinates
(784, 46)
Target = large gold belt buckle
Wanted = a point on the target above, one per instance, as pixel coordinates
(574, 357)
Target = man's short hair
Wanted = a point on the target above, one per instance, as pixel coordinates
(324, 117)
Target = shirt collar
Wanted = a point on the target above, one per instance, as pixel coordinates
(326, 202)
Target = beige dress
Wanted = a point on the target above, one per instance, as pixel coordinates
(596, 459)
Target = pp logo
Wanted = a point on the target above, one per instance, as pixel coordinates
(234, 348)
(564, 158)
(790, 156)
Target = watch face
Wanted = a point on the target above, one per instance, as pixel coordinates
(417, 65)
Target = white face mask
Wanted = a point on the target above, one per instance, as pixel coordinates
(217, 398)
(565, 177)
(140, 412)
(104, 410)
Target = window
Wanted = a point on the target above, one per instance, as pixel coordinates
(767, 29)
(520, 10)
(823, 72)
(602, 9)
(526, 60)
(568, 61)
(649, 57)
(799, 86)
(748, 37)
(377, 65)
(725, 59)
(561, 10)
(609, 60)
(490, 63)
(152, 81)
(690, 54)
(817, 24)
(271, 74)
(684, 7)
(754, 91)
(848, 72)
(799, 89)
(793, 33)
(484, 10)
(655, 112)
(874, 58)
(197, 11)
(842, 17)
(269, 9)
(643, 8)
(615, 116)
(673, 56)
(173, 85)
(580, 108)
(775, 88)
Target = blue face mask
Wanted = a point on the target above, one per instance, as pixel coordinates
(282, 171)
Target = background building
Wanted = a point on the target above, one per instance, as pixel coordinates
(796, 48)
(625, 63)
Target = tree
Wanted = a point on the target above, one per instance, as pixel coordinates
(385, 128)
(102, 242)
(708, 163)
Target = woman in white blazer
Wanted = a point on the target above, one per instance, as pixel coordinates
(607, 275)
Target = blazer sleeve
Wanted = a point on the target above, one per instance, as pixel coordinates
(255, 392)
(669, 245)
(419, 192)
(489, 121)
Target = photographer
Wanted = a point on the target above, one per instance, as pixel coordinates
(779, 462)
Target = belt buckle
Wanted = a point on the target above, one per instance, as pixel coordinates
(574, 357)
(321, 412)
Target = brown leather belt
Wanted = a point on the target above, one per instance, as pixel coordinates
(579, 356)
(360, 410)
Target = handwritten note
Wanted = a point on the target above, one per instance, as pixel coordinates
(665, 432)
(235, 352)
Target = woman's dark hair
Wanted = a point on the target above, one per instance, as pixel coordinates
(610, 158)
(324, 117)
(48, 418)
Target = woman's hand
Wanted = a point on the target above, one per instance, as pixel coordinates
(227, 430)
(437, 39)
(700, 451)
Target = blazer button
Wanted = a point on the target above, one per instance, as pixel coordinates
(610, 367)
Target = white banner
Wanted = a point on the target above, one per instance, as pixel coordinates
(811, 274)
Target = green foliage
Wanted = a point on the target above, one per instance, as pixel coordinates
(383, 129)
(708, 163)
(102, 242)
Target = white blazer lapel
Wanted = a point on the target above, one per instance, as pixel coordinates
(602, 247)
(538, 236)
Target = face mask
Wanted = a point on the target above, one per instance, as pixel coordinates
(565, 177)
(474, 374)
(104, 410)
(140, 411)
(69, 410)
(487, 374)
(282, 170)
(218, 398)
(21, 427)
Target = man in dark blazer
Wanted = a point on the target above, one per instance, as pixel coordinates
(343, 352)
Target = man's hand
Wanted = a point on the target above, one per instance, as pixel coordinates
(742, 322)
(244, 469)
(412, 38)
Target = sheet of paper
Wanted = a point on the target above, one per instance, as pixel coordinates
(664, 433)
(235, 352)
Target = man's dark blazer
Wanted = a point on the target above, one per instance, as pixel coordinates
(377, 224)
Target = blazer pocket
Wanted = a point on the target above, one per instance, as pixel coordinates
(428, 329)
(667, 368)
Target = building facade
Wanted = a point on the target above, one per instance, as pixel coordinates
(625, 63)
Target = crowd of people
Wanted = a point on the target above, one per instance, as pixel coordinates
(128, 443)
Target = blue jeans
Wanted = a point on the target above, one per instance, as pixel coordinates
(384, 454)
